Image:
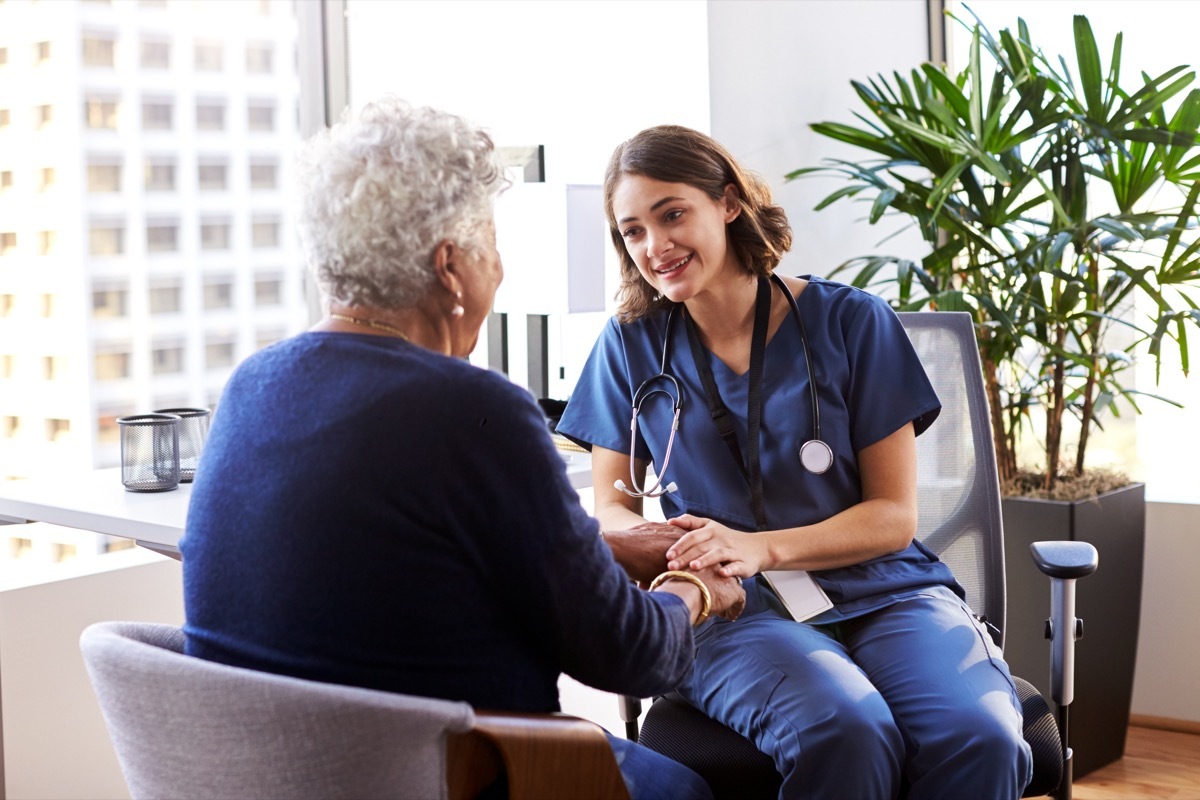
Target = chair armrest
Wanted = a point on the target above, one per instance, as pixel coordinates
(544, 755)
(1065, 559)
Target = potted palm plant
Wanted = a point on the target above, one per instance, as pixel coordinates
(1060, 209)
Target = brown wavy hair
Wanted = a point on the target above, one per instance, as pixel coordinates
(759, 236)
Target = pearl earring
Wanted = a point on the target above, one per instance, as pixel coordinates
(458, 309)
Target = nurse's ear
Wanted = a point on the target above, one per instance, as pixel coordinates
(732, 202)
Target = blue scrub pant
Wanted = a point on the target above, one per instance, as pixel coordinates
(914, 694)
(651, 776)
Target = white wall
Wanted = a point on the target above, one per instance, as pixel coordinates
(1164, 683)
(55, 742)
(777, 67)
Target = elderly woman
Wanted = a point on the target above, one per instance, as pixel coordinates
(373, 510)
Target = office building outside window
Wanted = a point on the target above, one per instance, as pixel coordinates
(104, 176)
(100, 113)
(214, 235)
(162, 236)
(160, 176)
(157, 115)
(98, 51)
(211, 176)
(156, 54)
(130, 216)
(210, 56)
(264, 175)
(106, 240)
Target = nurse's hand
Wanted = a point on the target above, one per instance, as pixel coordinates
(642, 549)
(709, 544)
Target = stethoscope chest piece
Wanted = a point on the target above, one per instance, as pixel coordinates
(816, 456)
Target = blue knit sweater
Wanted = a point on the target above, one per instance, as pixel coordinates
(370, 513)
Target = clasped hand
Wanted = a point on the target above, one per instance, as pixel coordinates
(642, 550)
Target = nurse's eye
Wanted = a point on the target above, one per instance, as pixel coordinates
(673, 215)
(630, 233)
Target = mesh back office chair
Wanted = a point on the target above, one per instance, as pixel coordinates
(960, 520)
(188, 728)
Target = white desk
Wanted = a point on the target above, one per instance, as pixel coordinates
(96, 501)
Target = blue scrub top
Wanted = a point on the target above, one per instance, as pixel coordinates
(870, 383)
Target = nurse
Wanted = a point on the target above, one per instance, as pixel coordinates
(795, 449)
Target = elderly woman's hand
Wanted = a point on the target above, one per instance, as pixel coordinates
(728, 596)
(642, 549)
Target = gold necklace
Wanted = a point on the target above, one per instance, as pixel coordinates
(371, 323)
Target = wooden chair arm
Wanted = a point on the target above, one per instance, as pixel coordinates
(544, 755)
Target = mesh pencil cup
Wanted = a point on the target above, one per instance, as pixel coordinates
(150, 452)
(193, 430)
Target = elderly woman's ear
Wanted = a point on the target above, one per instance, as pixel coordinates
(447, 261)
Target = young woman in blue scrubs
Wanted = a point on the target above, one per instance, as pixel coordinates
(898, 684)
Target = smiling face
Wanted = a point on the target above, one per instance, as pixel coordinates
(675, 234)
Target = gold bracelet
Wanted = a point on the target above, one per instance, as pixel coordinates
(680, 575)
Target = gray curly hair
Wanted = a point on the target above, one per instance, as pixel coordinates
(379, 191)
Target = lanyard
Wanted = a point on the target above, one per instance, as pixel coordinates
(751, 471)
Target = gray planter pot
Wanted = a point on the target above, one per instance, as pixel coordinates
(1108, 602)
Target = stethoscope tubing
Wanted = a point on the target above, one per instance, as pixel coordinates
(815, 455)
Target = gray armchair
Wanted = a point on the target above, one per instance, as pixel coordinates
(188, 728)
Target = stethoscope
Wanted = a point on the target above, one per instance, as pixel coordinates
(815, 455)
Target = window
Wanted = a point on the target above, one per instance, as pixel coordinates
(10, 427)
(267, 336)
(157, 115)
(8, 366)
(265, 233)
(212, 176)
(110, 301)
(58, 429)
(3, 56)
(49, 302)
(218, 351)
(44, 115)
(210, 116)
(112, 365)
(41, 52)
(258, 58)
(268, 291)
(166, 359)
(6, 179)
(214, 235)
(100, 113)
(5, 117)
(54, 367)
(263, 175)
(162, 237)
(260, 117)
(103, 177)
(46, 242)
(8, 243)
(98, 51)
(160, 176)
(210, 56)
(106, 240)
(166, 298)
(46, 178)
(218, 293)
(156, 54)
(61, 551)
(8, 303)
(107, 429)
